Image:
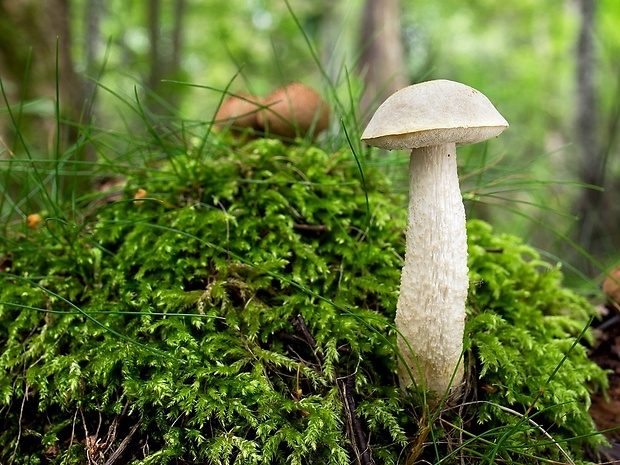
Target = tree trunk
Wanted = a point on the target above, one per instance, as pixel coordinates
(177, 35)
(382, 63)
(92, 37)
(155, 59)
(590, 206)
(165, 64)
(30, 32)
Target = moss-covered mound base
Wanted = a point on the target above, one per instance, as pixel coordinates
(237, 308)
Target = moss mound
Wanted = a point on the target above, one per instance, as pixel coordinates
(239, 310)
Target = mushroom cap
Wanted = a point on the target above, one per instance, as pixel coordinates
(34, 220)
(238, 111)
(433, 113)
(292, 110)
(611, 288)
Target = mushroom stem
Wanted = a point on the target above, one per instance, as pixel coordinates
(430, 313)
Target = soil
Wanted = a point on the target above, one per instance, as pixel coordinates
(605, 408)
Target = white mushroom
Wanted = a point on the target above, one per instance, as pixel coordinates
(432, 118)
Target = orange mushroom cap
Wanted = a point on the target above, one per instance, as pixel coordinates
(294, 110)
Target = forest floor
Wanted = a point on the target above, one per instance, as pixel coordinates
(605, 410)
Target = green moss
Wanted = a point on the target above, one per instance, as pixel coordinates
(526, 338)
(173, 321)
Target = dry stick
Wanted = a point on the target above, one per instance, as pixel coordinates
(349, 414)
(73, 429)
(19, 430)
(347, 387)
(98, 425)
(111, 436)
(609, 323)
(300, 325)
(87, 441)
(122, 445)
(6, 147)
(358, 440)
(310, 227)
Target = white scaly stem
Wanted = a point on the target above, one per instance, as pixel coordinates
(431, 306)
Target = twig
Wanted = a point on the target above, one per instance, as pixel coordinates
(605, 325)
(19, 426)
(310, 227)
(111, 436)
(99, 424)
(8, 150)
(123, 445)
(73, 428)
(358, 439)
(346, 385)
(88, 441)
(300, 326)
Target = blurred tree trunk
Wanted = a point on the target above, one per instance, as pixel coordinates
(29, 33)
(93, 12)
(157, 70)
(177, 35)
(165, 54)
(590, 207)
(382, 63)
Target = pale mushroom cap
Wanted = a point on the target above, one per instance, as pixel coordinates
(433, 113)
